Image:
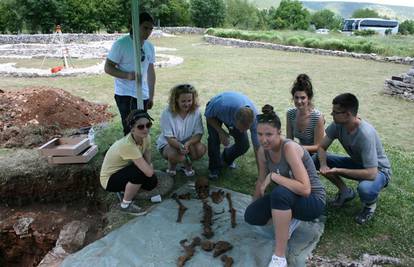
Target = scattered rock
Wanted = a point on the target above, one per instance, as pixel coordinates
(401, 86)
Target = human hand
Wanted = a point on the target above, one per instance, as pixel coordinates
(183, 150)
(224, 138)
(332, 171)
(187, 146)
(324, 169)
(150, 103)
(265, 183)
(131, 76)
(274, 176)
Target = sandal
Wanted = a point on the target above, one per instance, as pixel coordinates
(188, 173)
(171, 172)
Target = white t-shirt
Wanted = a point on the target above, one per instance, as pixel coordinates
(122, 53)
(173, 125)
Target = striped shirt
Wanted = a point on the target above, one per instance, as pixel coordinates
(307, 136)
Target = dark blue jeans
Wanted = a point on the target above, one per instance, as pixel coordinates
(125, 104)
(303, 208)
(240, 146)
(368, 190)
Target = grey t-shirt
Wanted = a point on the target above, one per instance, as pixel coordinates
(283, 168)
(363, 146)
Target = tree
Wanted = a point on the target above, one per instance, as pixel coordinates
(365, 13)
(11, 19)
(175, 13)
(406, 27)
(326, 19)
(3, 13)
(289, 15)
(80, 16)
(113, 14)
(241, 14)
(41, 15)
(207, 13)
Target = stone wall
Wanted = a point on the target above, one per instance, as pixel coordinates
(401, 86)
(182, 30)
(48, 38)
(255, 44)
(84, 38)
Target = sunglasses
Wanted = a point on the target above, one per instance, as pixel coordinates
(142, 55)
(148, 125)
(265, 118)
(337, 112)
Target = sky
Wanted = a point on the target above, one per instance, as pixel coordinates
(384, 2)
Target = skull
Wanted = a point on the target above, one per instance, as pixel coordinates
(202, 187)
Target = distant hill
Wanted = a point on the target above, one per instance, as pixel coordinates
(345, 9)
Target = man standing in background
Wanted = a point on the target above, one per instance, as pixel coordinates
(121, 65)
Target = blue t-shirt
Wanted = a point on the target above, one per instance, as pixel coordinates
(224, 108)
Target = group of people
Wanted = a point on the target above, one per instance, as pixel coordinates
(288, 189)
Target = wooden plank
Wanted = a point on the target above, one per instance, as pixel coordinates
(65, 146)
(85, 157)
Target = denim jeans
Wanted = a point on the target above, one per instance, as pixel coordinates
(240, 146)
(368, 190)
(125, 104)
(281, 198)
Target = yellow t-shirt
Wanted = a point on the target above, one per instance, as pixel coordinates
(121, 154)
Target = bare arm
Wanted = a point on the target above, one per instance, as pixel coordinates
(262, 181)
(323, 147)
(355, 174)
(144, 165)
(318, 136)
(223, 135)
(300, 184)
(151, 84)
(112, 69)
(193, 140)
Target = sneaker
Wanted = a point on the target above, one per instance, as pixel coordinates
(120, 196)
(277, 262)
(133, 210)
(365, 215)
(224, 163)
(341, 198)
(213, 175)
(188, 173)
(171, 172)
(232, 165)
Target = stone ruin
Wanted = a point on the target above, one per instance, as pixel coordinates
(401, 86)
(77, 46)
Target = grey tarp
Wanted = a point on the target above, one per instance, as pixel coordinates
(153, 240)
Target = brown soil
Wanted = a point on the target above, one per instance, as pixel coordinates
(30, 248)
(32, 116)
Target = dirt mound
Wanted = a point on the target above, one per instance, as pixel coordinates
(31, 116)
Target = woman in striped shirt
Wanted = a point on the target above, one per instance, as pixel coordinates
(304, 122)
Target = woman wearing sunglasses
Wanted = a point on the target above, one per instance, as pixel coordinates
(297, 193)
(127, 165)
(304, 122)
(181, 130)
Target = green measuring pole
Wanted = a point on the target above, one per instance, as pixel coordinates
(137, 51)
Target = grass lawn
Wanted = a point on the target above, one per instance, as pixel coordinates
(266, 77)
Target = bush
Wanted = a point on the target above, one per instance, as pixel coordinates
(294, 40)
(364, 33)
(334, 44)
(311, 42)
